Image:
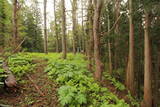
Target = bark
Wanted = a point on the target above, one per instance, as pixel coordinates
(82, 36)
(64, 50)
(147, 65)
(91, 39)
(130, 68)
(45, 29)
(56, 33)
(10, 81)
(157, 93)
(109, 49)
(15, 22)
(96, 23)
(74, 10)
(117, 14)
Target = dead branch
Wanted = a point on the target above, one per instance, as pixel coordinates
(37, 88)
(114, 25)
(18, 46)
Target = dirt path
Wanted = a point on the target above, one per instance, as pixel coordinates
(28, 95)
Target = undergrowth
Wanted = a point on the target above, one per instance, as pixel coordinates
(2, 73)
(77, 87)
(119, 86)
(19, 64)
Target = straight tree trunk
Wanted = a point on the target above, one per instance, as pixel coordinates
(117, 14)
(109, 49)
(147, 64)
(130, 69)
(91, 39)
(64, 50)
(15, 23)
(56, 33)
(82, 36)
(96, 23)
(74, 20)
(45, 29)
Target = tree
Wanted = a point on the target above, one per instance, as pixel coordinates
(117, 33)
(45, 28)
(96, 32)
(147, 64)
(90, 33)
(2, 23)
(15, 23)
(33, 31)
(56, 33)
(74, 21)
(130, 68)
(64, 50)
(109, 49)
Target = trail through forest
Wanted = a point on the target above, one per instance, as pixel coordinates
(28, 95)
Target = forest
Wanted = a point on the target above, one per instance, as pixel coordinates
(79, 53)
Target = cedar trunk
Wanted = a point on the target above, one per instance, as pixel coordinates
(15, 23)
(109, 49)
(147, 65)
(91, 39)
(56, 33)
(45, 28)
(74, 10)
(130, 68)
(96, 23)
(64, 50)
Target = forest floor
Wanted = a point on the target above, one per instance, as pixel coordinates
(28, 95)
(36, 89)
(120, 94)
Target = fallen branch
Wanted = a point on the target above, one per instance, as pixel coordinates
(4, 105)
(10, 81)
(37, 88)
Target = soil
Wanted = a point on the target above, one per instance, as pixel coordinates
(28, 95)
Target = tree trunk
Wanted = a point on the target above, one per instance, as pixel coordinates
(130, 69)
(82, 36)
(90, 33)
(96, 23)
(64, 50)
(74, 10)
(15, 23)
(147, 65)
(117, 14)
(45, 29)
(56, 33)
(109, 49)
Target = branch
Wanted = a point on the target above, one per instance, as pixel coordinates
(13, 50)
(114, 25)
(37, 88)
(18, 46)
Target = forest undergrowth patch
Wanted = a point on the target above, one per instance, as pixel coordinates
(24, 66)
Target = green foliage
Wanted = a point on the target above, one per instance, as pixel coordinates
(69, 95)
(33, 31)
(77, 87)
(121, 87)
(20, 64)
(2, 73)
(116, 83)
(5, 22)
(134, 102)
